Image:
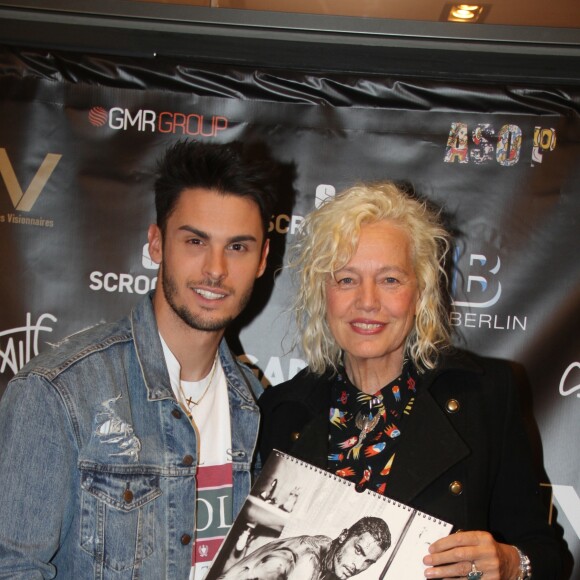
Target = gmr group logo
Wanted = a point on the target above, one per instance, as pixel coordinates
(503, 146)
(147, 120)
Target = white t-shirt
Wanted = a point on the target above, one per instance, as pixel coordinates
(210, 417)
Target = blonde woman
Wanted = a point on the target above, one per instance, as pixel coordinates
(388, 404)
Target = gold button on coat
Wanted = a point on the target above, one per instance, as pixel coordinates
(456, 487)
(452, 406)
(294, 436)
(128, 496)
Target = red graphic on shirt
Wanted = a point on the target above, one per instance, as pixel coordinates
(213, 510)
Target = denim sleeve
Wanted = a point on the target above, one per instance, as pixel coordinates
(37, 463)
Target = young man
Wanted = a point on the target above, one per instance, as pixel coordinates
(127, 451)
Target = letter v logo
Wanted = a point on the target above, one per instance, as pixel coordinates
(24, 201)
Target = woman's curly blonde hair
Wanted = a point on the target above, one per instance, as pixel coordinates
(328, 239)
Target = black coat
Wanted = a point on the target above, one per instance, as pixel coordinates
(464, 456)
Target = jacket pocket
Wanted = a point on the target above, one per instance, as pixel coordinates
(118, 516)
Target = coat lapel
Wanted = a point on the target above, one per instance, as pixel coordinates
(431, 447)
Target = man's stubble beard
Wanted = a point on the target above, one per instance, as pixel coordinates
(197, 322)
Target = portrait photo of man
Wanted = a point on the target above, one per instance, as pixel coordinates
(316, 557)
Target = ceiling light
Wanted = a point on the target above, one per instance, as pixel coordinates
(463, 12)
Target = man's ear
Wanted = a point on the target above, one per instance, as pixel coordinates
(155, 239)
(263, 258)
(343, 536)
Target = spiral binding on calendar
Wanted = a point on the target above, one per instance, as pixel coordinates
(339, 479)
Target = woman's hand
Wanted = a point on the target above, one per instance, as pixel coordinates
(452, 557)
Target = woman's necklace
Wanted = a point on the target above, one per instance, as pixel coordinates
(188, 402)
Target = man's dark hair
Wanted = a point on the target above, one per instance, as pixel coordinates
(376, 527)
(229, 169)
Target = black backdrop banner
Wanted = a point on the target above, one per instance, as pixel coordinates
(78, 142)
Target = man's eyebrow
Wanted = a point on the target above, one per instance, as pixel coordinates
(192, 230)
(361, 548)
(242, 238)
(205, 236)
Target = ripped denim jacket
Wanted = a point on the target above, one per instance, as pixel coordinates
(97, 464)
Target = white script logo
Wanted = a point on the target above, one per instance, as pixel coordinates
(569, 390)
(20, 349)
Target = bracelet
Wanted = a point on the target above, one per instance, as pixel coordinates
(525, 572)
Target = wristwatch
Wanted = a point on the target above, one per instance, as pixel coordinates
(525, 572)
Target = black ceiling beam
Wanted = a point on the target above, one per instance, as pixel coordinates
(435, 50)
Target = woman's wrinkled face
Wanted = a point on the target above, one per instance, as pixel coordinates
(371, 302)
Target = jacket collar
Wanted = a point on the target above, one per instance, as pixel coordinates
(149, 350)
(432, 449)
(152, 360)
(312, 389)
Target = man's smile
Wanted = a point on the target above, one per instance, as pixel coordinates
(208, 294)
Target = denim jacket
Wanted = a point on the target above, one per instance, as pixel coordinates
(98, 462)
